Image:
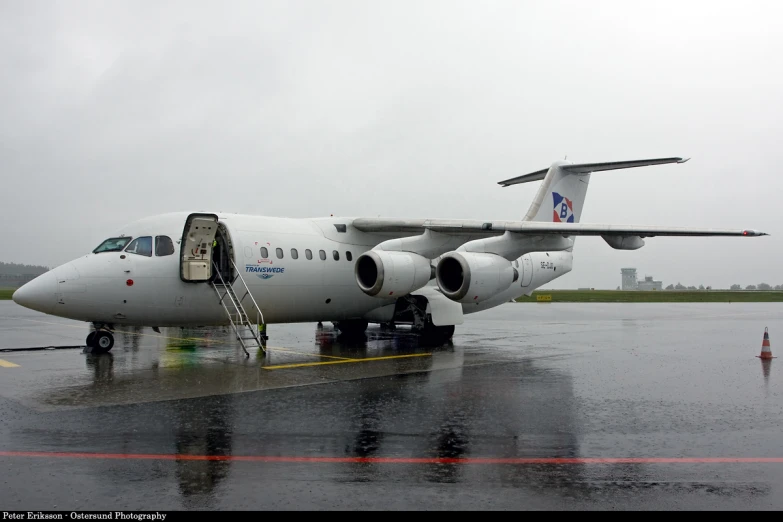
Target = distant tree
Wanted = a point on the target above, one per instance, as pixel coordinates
(701, 287)
(691, 287)
(778, 287)
(764, 286)
(680, 286)
(750, 287)
(17, 269)
(736, 287)
(670, 287)
(709, 287)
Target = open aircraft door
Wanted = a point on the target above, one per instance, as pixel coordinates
(196, 248)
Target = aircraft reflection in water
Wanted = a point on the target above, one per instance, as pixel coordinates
(377, 343)
(103, 367)
(198, 426)
(203, 428)
(521, 410)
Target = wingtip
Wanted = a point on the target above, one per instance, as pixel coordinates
(683, 160)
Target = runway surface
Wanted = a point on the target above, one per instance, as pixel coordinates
(532, 406)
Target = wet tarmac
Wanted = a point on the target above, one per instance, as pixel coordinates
(532, 406)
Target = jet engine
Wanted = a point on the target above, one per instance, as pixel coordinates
(382, 273)
(470, 277)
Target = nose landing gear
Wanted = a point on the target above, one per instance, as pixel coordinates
(101, 340)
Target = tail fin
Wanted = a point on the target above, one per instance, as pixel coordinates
(561, 196)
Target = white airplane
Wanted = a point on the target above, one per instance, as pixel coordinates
(209, 269)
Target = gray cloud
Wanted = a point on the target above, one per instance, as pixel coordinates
(114, 111)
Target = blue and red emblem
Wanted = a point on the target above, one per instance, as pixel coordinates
(564, 209)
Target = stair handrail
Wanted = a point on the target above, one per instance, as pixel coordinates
(258, 308)
(227, 287)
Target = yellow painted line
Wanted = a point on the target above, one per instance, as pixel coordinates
(213, 341)
(6, 364)
(276, 349)
(322, 363)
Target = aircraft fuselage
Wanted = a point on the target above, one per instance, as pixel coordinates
(306, 275)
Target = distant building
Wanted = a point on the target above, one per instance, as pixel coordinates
(629, 278)
(630, 281)
(649, 284)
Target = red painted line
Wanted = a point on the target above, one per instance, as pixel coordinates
(401, 460)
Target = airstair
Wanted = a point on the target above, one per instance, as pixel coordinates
(246, 331)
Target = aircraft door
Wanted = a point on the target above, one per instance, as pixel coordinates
(196, 248)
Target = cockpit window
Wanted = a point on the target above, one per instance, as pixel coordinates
(113, 244)
(164, 246)
(141, 246)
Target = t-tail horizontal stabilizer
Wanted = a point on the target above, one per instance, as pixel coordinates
(586, 168)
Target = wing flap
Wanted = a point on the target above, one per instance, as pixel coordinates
(473, 227)
(590, 229)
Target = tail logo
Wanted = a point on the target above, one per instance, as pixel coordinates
(563, 210)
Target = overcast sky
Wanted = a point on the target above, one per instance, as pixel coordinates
(112, 111)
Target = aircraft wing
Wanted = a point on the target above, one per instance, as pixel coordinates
(536, 228)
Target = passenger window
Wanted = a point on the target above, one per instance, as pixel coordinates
(141, 246)
(279, 252)
(294, 253)
(164, 246)
(322, 255)
(336, 255)
(348, 255)
(308, 254)
(264, 252)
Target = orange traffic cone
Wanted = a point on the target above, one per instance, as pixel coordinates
(766, 352)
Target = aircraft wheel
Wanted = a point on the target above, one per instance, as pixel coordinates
(447, 332)
(102, 342)
(436, 334)
(352, 327)
(90, 340)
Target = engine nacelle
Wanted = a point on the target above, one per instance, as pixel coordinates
(624, 242)
(470, 277)
(382, 273)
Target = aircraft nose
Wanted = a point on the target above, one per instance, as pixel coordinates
(39, 294)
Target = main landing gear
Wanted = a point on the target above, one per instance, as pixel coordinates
(352, 327)
(101, 340)
(413, 309)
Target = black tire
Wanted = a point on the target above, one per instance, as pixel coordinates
(102, 342)
(352, 327)
(432, 334)
(447, 332)
(90, 340)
